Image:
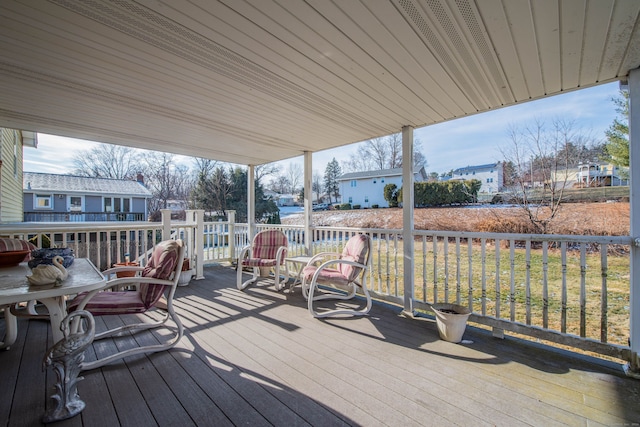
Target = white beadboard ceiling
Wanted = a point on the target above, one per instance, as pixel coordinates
(255, 81)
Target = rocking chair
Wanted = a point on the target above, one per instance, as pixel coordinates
(150, 282)
(342, 272)
(268, 251)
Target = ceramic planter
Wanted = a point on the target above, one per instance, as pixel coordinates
(451, 320)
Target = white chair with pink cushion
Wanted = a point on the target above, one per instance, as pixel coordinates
(158, 277)
(267, 252)
(346, 272)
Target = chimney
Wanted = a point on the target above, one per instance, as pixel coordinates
(140, 178)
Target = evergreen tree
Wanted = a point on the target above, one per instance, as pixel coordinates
(617, 147)
(331, 175)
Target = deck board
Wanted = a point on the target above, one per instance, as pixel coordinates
(258, 358)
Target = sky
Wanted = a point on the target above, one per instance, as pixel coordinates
(468, 141)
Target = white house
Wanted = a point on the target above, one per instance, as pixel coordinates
(491, 176)
(367, 188)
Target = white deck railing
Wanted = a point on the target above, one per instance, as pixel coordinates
(572, 290)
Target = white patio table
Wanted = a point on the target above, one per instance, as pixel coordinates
(14, 288)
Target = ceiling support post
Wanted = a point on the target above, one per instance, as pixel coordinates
(407, 217)
(251, 201)
(633, 367)
(308, 197)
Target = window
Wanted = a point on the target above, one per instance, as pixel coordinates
(489, 179)
(374, 181)
(353, 182)
(75, 203)
(382, 180)
(43, 201)
(366, 199)
(350, 199)
(117, 204)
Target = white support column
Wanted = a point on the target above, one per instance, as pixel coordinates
(308, 197)
(407, 217)
(231, 238)
(166, 223)
(199, 243)
(633, 369)
(251, 201)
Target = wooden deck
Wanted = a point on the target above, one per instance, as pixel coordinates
(258, 358)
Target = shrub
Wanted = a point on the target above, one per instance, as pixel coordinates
(345, 206)
(356, 206)
(375, 206)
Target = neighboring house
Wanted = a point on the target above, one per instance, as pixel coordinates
(601, 175)
(367, 188)
(491, 176)
(51, 197)
(286, 199)
(11, 144)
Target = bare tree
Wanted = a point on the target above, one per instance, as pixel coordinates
(382, 153)
(541, 159)
(280, 184)
(268, 169)
(108, 161)
(294, 175)
(165, 179)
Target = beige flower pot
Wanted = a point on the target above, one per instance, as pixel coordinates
(451, 320)
(264, 271)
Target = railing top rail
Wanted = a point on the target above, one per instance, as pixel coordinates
(619, 240)
(34, 227)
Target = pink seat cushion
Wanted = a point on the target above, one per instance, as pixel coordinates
(355, 250)
(327, 275)
(105, 303)
(161, 265)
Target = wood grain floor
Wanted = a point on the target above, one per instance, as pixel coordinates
(258, 358)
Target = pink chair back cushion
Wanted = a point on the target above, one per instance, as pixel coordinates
(355, 250)
(266, 244)
(160, 266)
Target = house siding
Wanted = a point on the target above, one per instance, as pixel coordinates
(93, 192)
(491, 176)
(11, 204)
(369, 186)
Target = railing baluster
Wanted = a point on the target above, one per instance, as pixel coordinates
(423, 239)
(583, 290)
(483, 261)
(445, 241)
(434, 245)
(512, 280)
(604, 302)
(470, 259)
(497, 302)
(564, 295)
(527, 282)
(458, 270)
(545, 284)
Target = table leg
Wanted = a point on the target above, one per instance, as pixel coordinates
(11, 329)
(57, 312)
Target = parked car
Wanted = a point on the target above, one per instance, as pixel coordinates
(320, 207)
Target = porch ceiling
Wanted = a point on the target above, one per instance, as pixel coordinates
(256, 81)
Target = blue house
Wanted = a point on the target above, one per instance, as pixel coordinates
(52, 197)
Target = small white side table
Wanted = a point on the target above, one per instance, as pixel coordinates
(298, 263)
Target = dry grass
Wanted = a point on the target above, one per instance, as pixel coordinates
(601, 219)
